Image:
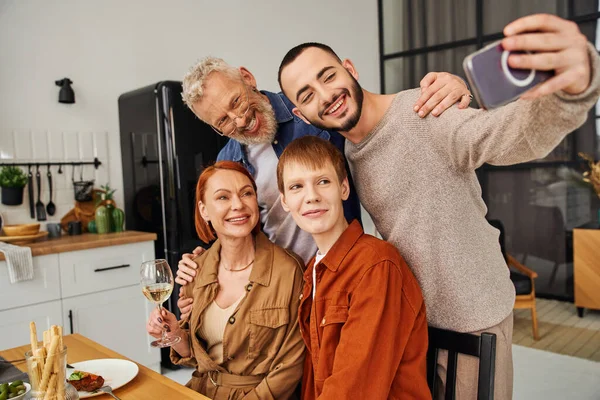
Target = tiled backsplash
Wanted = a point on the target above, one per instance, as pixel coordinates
(34, 146)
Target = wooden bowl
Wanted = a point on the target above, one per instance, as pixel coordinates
(21, 230)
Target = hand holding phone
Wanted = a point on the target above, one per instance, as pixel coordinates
(551, 46)
(493, 82)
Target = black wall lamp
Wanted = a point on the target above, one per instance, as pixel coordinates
(66, 94)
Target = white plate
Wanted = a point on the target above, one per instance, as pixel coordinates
(116, 373)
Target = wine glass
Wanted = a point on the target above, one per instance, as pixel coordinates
(157, 284)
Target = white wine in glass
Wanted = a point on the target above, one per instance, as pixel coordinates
(157, 285)
(157, 292)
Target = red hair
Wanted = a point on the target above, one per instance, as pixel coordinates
(203, 228)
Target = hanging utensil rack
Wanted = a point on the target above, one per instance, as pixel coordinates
(96, 163)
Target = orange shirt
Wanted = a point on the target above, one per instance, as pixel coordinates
(366, 330)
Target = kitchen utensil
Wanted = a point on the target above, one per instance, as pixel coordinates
(40, 210)
(21, 229)
(30, 192)
(74, 228)
(54, 230)
(108, 390)
(50, 207)
(83, 189)
(19, 240)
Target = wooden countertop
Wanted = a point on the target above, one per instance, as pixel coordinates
(146, 385)
(84, 242)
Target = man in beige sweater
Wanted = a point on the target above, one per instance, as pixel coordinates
(416, 177)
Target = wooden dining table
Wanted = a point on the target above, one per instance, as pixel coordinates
(146, 385)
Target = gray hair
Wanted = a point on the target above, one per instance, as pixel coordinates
(194, 80)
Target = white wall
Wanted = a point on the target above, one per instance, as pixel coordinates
(112, 46)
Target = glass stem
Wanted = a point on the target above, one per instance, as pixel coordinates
(164, 331)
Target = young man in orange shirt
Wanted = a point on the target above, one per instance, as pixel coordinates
(362, 314)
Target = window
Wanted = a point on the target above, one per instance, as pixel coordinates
(539, 202)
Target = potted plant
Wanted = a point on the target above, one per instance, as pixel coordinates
(106, 197)
(592, 176)
(12, 181)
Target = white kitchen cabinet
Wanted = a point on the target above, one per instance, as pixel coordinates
(94, 270)
(115, 319)
(96, 291)
(14, 323)
(45, 285)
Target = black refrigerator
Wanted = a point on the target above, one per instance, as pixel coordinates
(164, 148)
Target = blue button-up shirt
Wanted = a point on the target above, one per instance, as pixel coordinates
(291, 127)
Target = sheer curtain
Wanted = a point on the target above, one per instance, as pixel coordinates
(539, 206)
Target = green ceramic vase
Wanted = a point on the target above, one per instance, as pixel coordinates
(102, 220)
(118, 218)
(92, 227)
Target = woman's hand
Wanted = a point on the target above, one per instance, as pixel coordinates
(163, 321)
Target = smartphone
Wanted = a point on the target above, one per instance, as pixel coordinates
(493, 82)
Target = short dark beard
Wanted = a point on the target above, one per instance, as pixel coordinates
(352, 121)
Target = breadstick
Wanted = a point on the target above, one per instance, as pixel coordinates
(60, 389)
(57, 358)
(35, 374)
(33, 337)
(49, 366)
(62, 394)
(46, 339)
(41, 352)
(51, 388)
(57, 331)
(60, 335)
(40, 356)
(59, 367)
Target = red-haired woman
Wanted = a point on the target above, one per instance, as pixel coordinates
(242, 335)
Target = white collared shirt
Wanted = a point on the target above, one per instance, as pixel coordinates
(318, 258)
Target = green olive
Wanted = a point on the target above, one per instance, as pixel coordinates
(3, 387)
(16, 383)
(22, 391)
(3, 395)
